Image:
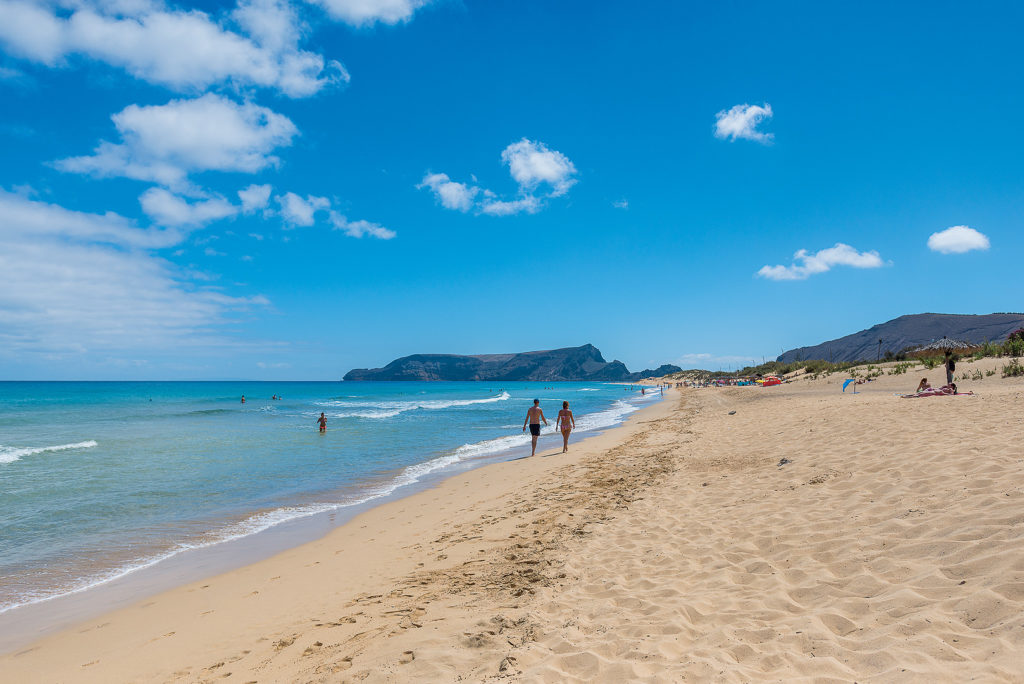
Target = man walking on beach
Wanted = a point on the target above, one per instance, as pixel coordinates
(533, 417)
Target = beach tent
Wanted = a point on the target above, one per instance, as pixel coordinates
(771, 380)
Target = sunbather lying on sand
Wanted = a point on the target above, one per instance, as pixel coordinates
(944, 391)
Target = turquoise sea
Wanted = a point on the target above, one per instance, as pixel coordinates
(101, 479)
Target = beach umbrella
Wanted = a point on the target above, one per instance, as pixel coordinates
(944, 344)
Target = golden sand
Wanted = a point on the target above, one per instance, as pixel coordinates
(887, 546)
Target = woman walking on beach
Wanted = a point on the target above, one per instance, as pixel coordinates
(566, 422)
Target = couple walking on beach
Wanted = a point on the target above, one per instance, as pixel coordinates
(565, 422)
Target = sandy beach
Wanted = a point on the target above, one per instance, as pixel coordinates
(791, 533)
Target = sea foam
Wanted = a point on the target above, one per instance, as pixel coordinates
(12, 454)
(389, 409)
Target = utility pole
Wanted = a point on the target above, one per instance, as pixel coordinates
(878, 357)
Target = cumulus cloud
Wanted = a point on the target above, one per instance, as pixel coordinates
(358, 229)
(538, 171)
(496, 207)
(741, 122)
(451, 195)
(184, 50)
(301, 211)
(957, 240)
(167, 209)
(368, 12)
(77, 282)
(807, 264)
(532, 164)
(254, 198)
(166, 143)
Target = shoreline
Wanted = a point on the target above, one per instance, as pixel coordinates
(790, 533)
(22, 625)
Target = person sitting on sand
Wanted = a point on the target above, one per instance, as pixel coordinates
(323, 422)
(567, 424)
(923, 385)
(533, 417)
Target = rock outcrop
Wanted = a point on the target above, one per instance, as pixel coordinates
(571, 363)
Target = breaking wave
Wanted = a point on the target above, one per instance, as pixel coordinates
(12, 454)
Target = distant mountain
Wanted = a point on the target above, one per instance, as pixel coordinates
(571, 363)
(909, 331)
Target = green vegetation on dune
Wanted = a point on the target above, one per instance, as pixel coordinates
(1012, 348)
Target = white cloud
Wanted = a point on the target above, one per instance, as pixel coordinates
(165, 143)
(706, 361)
(450, 194)
(621, 204)
(741, 122)
(367, 12)
(264, 364)
(184, 50)
(76, 283)
(533, 166)
(20, 215)
(819, 262)
(168, 209)
(957, 240)
(495, 207)
(358, 229)
(254, 198)
(299, 211)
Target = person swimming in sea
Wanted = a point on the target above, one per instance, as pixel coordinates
(322, 421)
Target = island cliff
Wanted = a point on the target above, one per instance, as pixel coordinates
(571, 363)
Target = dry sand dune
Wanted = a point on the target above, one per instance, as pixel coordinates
(810, 536)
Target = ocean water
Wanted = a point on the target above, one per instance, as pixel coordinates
(101, 479)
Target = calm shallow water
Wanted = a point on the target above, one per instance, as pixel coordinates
(101, 479)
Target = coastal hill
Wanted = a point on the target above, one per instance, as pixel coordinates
(909, 331)
(570, 363)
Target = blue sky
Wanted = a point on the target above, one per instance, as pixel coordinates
(671, 182)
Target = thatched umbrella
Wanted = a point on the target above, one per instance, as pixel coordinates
(945, 344)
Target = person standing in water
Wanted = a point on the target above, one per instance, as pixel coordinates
(243, 398)
(566, 422)
(533, 417)
(323, 422)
